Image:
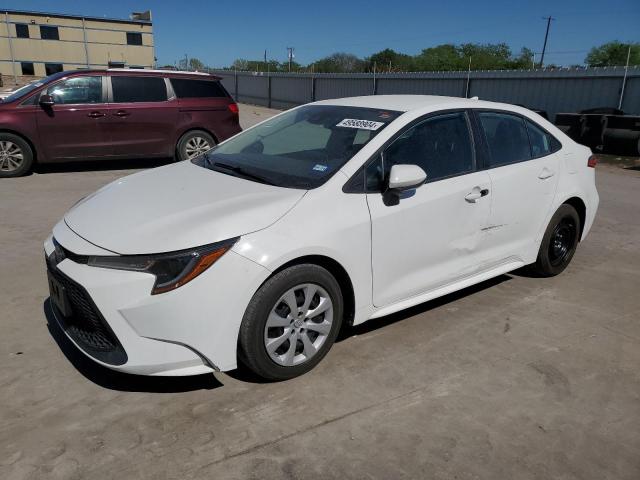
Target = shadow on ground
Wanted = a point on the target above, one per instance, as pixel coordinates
(101, 165)
(124, 382)
(245, 375)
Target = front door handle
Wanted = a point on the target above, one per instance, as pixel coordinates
(475, 194)
(545, 173)
(96, 114)
(122, 113)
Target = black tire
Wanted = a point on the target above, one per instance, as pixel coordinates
(7, 168)
(559, 242)
(184, 146)
(252, 350)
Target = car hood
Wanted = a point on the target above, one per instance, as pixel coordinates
(176, 207)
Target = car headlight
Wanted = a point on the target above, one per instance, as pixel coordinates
(172, 270)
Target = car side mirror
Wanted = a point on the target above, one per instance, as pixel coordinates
(46, 100)
(406, 177)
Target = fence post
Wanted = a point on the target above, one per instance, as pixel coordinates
(235, 84)
(268, 90)
(313, 88)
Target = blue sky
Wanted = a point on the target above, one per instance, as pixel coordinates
(220, 31)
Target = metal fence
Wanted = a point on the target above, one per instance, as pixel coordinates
(555, 91)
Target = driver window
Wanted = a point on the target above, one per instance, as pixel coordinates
(440, 145)
(77, 90)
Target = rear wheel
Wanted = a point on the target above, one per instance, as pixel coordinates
(16, 156)
(559, 242)
(291, 322)
(194, 143)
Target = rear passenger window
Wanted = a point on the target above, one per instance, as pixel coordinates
(185, 88)
(138, 89)
(542, 143)
(440, 145)
(506, 137)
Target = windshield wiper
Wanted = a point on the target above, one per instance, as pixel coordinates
(241, 172)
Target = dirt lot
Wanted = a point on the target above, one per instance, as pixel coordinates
(517, 378)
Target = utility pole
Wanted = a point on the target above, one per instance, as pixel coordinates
(290, 55)
(546, 36)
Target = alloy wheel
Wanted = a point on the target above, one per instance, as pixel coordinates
(196, 146)
(298, 324)
(11, 156)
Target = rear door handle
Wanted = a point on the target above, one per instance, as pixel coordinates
(96, 114)
(476, 193)
(122, 113)
(545, 173)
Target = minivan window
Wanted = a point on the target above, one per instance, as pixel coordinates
(301, 148)
(440, 145)
(77, 90)
(185, 88)
(542, 143)
(506, 138)
(138, 89)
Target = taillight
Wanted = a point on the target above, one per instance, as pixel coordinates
(233, 108)
(592, 162)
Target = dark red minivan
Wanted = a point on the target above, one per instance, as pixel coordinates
(115, 113)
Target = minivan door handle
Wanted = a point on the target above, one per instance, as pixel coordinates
(476, 193)
(545, 173)
(122, 113)
(96, 114)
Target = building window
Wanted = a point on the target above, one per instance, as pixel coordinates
(27, 68)
(22, 30)
(116, 64)
(51, 68)
(134, 38)
(49, 33)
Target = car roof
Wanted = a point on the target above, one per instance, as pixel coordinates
(144, 71)
(406, 103)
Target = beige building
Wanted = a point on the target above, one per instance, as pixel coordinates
(38, 43)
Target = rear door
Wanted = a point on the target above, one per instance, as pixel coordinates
(142, 117)
(523, 163)
(76, 125)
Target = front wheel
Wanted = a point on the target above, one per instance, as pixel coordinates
(16, 156)
(559, 242)
(291, 322)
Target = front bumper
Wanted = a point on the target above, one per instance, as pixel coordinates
(187, 331)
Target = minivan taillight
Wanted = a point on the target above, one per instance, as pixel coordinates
(233, 108)
(592, 162)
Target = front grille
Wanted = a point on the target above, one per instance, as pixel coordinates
(85, 325)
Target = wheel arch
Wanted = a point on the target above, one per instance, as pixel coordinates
(337, 270)
(580, 206)
(30, 142)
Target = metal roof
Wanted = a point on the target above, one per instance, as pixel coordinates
(77, 17)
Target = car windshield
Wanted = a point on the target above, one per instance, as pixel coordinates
(301, 148)
(30, 87)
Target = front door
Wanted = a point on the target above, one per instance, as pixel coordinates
(142, 120)
(75, 126)
(434, 235)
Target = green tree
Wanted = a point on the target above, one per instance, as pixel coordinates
(391, 61)
(339, 63)
(195, 64)
(613, 54)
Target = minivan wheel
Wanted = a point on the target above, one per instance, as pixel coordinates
(291, 322)
(559, 242)
(16, 156)
(194, 143)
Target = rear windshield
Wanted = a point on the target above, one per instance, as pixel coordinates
(301, 148)
(185, 88)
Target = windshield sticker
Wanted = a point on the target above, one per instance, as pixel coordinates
(320, 168)
(360, 124)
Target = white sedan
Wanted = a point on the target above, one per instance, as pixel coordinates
(331, 213)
